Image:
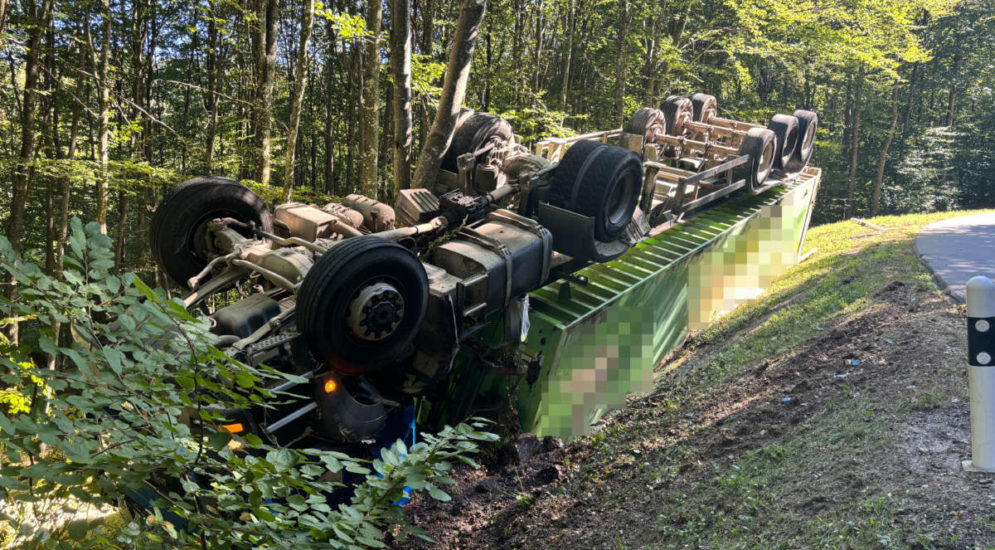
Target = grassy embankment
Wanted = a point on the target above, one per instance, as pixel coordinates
(765, 432)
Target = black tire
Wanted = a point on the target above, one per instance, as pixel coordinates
(759, 145)
(646, 122)
(472, 133)
(677, 110)
(331, 285)
(808, 123)
(785, 128)
(177, 226)
(601, 181)
(704, 107)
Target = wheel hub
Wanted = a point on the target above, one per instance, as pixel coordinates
(376, 311)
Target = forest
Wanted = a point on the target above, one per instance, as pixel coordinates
(106, 105)
(112, 389)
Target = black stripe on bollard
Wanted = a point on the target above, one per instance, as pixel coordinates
(980, 341)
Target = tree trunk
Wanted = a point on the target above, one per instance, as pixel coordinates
(428, 27)
(565, 87)
(122, 232)
(53, 149)
(424, 127)
(65, 187)
(51, 131)
(855, 136)
(103, 182)
(150, 69)
(212, 98)
(537, 70)
(675, 37)
(453, 92)
(352, 87)
(400, 66)
(517, 46)
(623, 54)
(137, 81)
(268, 12)
(952, 94)
(878, 180)
(910, 98)
(370, 99)
(329, 128)
(24, 173)
(650, 97)
(3, 15)
(245, 141)
(300, 82)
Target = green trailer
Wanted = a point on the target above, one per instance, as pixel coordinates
(597, 336)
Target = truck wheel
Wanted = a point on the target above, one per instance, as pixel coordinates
(646, 122)
(785, 129)
(601, 181)
(362, 303)
(808, 122)
(472, 133)
(704, 106)
(678, 111)
(759, 145)
(178, 230)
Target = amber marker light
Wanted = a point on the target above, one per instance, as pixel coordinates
(330, 385)
(234, 428)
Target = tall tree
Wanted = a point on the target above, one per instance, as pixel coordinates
(3, 15)
(53, 149)
(427, 9)
(370, 112)
(565, 85)
(300, 81)
(879, 178)
(621, 67)
(952, 94)
(38, 17)
(400, 65)
(268, 15)
(216, 59)
(104, 106)
(855, 107)
(330, 92)
(39, 20)
(453, 92)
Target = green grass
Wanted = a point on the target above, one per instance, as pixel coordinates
(761, 498)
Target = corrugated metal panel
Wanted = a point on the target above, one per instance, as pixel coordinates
(652, 256)
(594, 343)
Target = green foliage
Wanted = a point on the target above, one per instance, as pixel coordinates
(536, 124)
(347, 26)
(183, 98)
(426, 77)
(137, 405)
(877, 34)
(273, 195)
(926, 170)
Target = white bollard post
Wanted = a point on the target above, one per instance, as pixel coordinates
(981, 372)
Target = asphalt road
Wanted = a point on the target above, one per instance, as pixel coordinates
(958, 249)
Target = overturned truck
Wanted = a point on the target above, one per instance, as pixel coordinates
(422, 309)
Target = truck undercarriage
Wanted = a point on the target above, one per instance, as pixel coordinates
(372, 304)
